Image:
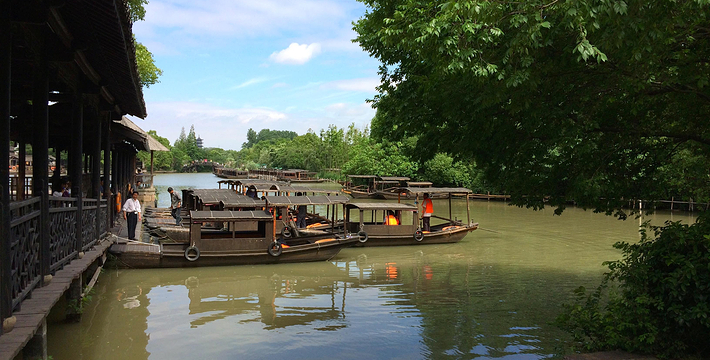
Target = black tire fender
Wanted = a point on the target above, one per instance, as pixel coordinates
(275, 249)
(362, 236)
(192, 253)
(286, 232)
(418, 235)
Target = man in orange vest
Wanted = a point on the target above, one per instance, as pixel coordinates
(391, 219)
(427, 211)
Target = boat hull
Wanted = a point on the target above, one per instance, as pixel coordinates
(438, 237)
(172, 255)
(360, 194)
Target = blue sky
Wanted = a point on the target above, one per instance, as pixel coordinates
(231, 65)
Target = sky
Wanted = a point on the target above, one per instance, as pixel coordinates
(231, 65)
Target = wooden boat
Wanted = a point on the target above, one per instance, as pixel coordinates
(314, 220)
(237, 238)
(227, 173)
(365, 189)
(369, 222)
(388, 187)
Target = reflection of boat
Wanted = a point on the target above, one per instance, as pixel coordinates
(385, 224)
(234, 238)
(361, 186)
(256, 292)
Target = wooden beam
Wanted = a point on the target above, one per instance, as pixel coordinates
(5, 101)
(40, 147)
(75, 163)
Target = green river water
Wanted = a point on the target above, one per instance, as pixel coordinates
(491, 296)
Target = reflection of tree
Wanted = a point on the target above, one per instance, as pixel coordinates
(470, 310)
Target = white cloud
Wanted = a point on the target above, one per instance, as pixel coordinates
(219, 127)
(362, 84)
(240, 18)
(249, 82)
(296, 54)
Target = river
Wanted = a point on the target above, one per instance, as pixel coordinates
(491, 296)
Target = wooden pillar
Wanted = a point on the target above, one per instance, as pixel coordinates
(5, 78)
(21, 170)
(96, 171)
(40, 149)
(75, 166)
(73, 296)
(36, 348)
(107, 166)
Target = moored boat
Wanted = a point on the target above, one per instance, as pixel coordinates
(361, 186)
(390, 224)
(236, 238)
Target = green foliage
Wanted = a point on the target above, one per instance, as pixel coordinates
(443, 171)
(384, 159)
(162, 160)
(147, 70)
(662, 303)
(136, 9)
(553, 100)
(266, 135)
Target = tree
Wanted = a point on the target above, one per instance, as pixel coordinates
(162, 160)
(147, 70)
(591, 101)
(583, 100)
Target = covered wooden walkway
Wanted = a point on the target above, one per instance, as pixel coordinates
(68, 74)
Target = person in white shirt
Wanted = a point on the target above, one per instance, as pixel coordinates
(132, 214)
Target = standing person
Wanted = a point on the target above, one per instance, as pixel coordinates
(132, 214)
(301, 216)
(175, 203)
(427, 211)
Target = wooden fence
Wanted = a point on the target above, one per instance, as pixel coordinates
(43, 238)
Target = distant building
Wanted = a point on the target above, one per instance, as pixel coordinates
(199, 142)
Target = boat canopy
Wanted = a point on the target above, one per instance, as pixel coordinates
(264, 187)
(382, 206)
(306, 200)
(242, 202)
(227, 215)
(214, 196)
(362, 176)
(443, 190)
(419, 183)
(394, 178)
(305, 189)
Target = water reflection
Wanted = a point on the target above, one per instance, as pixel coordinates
(490, 296)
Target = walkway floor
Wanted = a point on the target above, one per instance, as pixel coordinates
(120, 228)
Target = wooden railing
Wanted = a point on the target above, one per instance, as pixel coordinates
(34, 254)
(25, 265)
(62, 231)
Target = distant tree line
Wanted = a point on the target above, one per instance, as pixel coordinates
(332, 153)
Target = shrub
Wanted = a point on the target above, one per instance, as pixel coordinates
(655, 300)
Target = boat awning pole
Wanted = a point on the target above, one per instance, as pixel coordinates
(273, 233)
(468, 210)
(450, 217)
